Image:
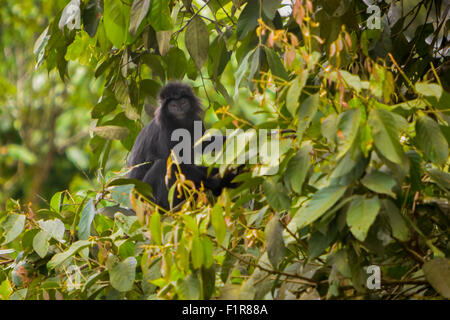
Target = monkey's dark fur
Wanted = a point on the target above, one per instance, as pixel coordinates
(179, 108)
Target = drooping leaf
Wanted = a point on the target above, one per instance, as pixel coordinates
(437, 273)
(218, 223)
(430, 140)
(197, 252)
(176, 64)
(248, 19)
(115, 21)
(139, 10)
(275, 64)
(121, 273)
(87, 215)
(294, 92)
(92, 15)
(197, 41)
(307, 111)
(275, 195)
(361, 214)
(347, 126)
(398, 224)
(298, 167)
(155, 228)
(160, 15)
(40, 243)
(274, 242)
(385, 134)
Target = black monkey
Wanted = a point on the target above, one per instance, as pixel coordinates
(179, 108)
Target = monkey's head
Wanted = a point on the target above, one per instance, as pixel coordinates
(178, 104)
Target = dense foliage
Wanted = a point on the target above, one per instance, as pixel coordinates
(361, 178)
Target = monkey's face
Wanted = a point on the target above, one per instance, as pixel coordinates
(179, 108)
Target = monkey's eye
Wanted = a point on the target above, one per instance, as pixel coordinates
(184, 102)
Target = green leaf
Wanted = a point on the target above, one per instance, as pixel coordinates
(437, 273)
(352, 80)
(40, 243)
(112, 132)
(248, 19)
(191, 224)
(275, 247)
(297, 168)
(347, 126)
(398, 225)
(121, 274)
(361, 214)
(241, 72)
(55, 228)
(12, 226)
(275, 64)
(321, 201)
(276, 195)
(104, 107)
(430, 140)
(115, 22)
(380, 182)
(189, 288)
(176, 63)
(429, 89)
(92, 15)
(160, 15)
(155, 228)
(318, 241)
(385, 134)
(307, 111)
(294, 92)
(254, 68)
(208, 259)
(59, 258)
(55, 202)
(197, 41)
(139, 10)
(197, 252)
(87, 215)
(218, 223)
(154, 62)
(270, 7)
(441, 178)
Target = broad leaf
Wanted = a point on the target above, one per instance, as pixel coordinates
(121, 274)
(218, 223)
(139, 10)
(87, 215)
(12, 226)
(321, 201)
(361, 214)
(197, 41)
(385, 134)
(380, 182)
(430, 140)
(437, 273)
(276, 249)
